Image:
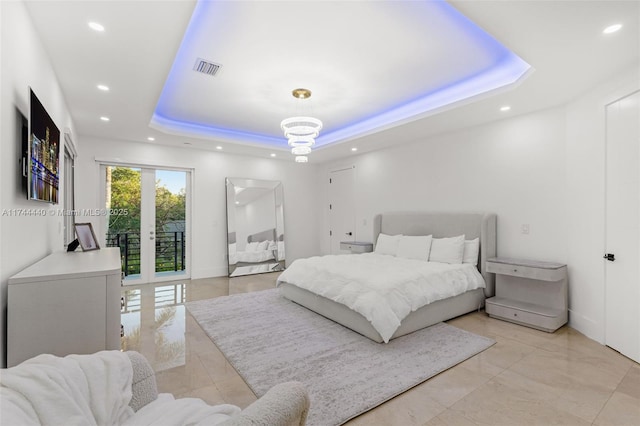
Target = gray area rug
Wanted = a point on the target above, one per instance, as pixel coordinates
(269, 340)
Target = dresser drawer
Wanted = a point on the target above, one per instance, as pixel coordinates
(522, 271)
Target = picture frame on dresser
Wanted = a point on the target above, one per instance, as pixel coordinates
(86, 236)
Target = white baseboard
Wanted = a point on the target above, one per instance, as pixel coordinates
(587, 326)
(215, 271)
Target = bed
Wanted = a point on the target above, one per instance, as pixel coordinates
(480, 225)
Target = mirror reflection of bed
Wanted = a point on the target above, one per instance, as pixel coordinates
(255, 227)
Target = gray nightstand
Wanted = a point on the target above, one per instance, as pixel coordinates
(529, 293)
(356, 246)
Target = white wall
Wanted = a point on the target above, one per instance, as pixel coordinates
(209, 227)
(514, 167)
(24, 239)
(586, 200)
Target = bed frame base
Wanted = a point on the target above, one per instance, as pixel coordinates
(426, 316)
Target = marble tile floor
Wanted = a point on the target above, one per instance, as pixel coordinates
(528, 377)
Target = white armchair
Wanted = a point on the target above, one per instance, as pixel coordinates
(111, 387)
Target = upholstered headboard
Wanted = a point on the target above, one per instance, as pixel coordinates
(268, 235)
(445, 224)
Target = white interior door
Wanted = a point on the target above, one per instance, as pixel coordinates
(622, 270)
(342, 218)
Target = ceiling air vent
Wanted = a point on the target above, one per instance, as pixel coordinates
(206, 67)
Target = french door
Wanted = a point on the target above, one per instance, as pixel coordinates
(147, 217)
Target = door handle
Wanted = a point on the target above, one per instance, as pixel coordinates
(348, 233)
(610, 257)
(152, 238)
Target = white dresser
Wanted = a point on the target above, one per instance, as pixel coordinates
(65, 303)
(529, 293)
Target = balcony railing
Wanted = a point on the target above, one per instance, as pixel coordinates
(169, 251)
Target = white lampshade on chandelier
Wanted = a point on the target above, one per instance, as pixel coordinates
(301, 131)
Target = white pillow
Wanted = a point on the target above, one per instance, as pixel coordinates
(447, 250)
(251, 246)
(471, 251)
(387, 244)
(262, 245)
(415, 247)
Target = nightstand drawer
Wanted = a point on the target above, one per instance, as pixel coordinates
(531, 315)
(356, 246)
(536, 273)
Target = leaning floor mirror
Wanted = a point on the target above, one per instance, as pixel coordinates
(255, 226)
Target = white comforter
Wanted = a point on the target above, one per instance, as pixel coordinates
(384, 289)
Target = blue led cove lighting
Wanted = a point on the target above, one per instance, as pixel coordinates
(505, 70)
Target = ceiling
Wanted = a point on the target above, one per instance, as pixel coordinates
(358, 59)
(427, 54)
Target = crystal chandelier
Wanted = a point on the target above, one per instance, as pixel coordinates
(301, 131)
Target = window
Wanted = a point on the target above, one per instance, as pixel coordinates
(69, 196)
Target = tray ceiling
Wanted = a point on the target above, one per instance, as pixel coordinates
(369, 65)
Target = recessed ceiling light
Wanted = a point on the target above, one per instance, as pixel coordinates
(96, 27)
(151, 139)
(103, 87)
(272, 154)
(103, 118)
(505, 108)
(237, 202)
(218, 147)
(354, 149)
(612, 29)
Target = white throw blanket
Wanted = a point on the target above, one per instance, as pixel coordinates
(384, 289)
(75, 390)
(91, 390)
(184, 411)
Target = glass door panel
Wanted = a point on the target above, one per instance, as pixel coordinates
(170, 223)
(124, 205)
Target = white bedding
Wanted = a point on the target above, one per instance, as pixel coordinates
(382, 288)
